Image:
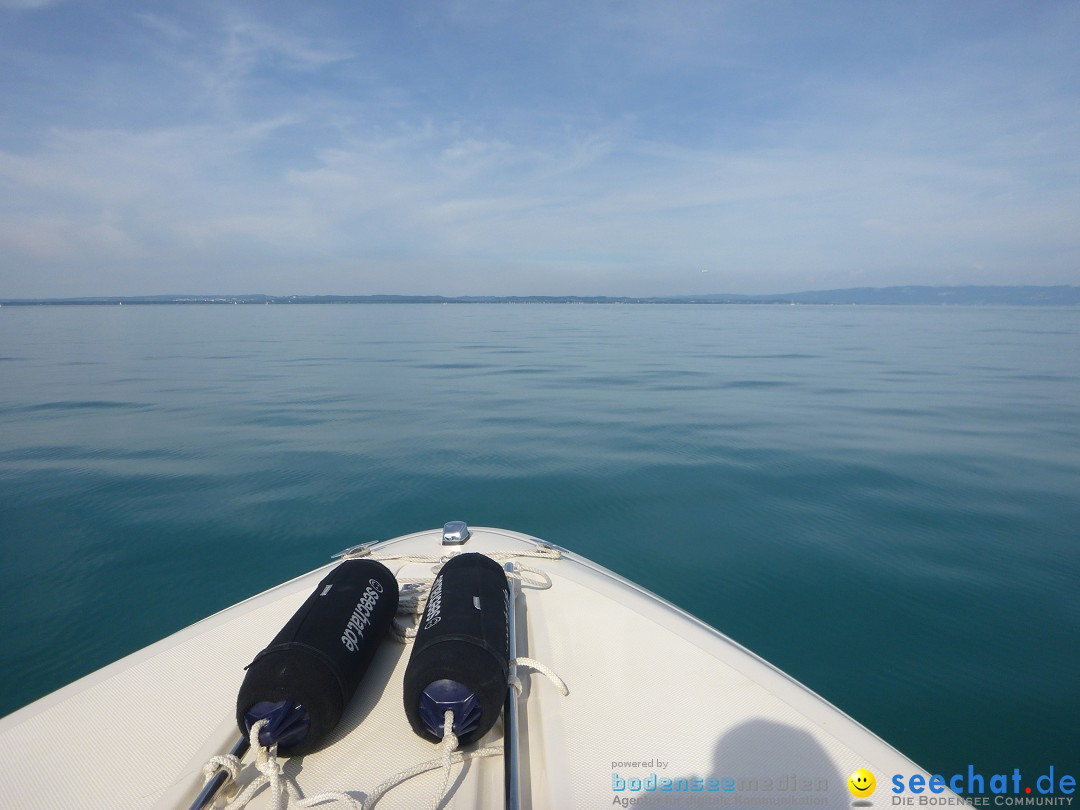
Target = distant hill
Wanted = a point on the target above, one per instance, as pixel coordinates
(881, 296)
(967, 296)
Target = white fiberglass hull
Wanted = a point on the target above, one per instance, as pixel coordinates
(661, 709)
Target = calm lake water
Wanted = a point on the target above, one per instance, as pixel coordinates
(881, 501)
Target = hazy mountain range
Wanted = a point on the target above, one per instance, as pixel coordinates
(911, 295)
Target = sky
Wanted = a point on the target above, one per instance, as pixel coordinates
(587, 147)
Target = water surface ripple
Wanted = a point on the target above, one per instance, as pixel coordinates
(881, 501)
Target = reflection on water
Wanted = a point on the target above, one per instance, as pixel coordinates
(881, 501)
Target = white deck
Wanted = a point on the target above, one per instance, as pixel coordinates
(648, 684)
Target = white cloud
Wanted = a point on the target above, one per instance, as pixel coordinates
(29, 5)
(443, 198)
(248, 42)
(274, 147)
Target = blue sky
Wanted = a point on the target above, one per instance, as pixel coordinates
(489, 146)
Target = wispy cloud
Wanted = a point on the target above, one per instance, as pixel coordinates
(28, 5)
(199, 149)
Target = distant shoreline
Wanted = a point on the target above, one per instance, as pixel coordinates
(881, 296)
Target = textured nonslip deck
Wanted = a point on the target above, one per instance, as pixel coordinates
(654, 695)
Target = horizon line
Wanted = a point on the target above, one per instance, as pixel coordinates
(210, 298)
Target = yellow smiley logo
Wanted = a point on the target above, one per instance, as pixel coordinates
(861, 783)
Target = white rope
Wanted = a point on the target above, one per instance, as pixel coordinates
(228, 763)
(449, 743)
(411, 605)
(413, 592)
(284, 791)
(543, 669)
(424, 767)
(538, 581)
(282, 788)
(340, 799)
(540, 551)
(401, 632)
(270, 773)
(450, 757)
